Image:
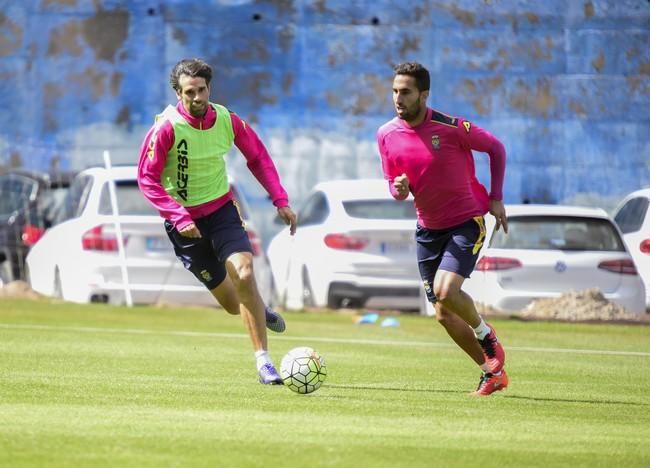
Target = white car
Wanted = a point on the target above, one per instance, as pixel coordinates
(78, 259)
(551, 250)
(354, 247)
(633, 218)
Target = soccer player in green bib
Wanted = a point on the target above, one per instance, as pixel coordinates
(182, 172)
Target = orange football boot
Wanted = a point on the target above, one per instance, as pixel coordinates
(491, 383)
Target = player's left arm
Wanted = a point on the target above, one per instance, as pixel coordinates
(261, 165)
(481, 140)
(398, 182)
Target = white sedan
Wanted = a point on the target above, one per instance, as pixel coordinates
(633, 218)
(78, 259)
(354, 247)
(550, 250)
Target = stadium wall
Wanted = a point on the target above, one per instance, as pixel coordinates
(564, 84)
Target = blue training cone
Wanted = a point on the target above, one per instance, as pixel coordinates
(390, 322)
(368, 318)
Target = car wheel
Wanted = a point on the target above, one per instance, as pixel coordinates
(58, 289)
(307, 291)
(333, 302)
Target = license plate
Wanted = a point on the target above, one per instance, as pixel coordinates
(157, 244)
(395, 247)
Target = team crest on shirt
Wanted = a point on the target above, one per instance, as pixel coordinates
(435, 142)
(205, 274)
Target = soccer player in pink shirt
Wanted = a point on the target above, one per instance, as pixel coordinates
(429, 154)
(182, 172)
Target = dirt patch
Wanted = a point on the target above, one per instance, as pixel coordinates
(576, 306)
(587, 305)
(18, 290)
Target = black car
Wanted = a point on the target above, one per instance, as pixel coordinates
(29, 201)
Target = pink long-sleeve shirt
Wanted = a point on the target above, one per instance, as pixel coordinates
(153, 155)
(436, 156)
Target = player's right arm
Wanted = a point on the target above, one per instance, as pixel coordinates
(476, 138)
(262, 167)
(398, 182)
(153, 156)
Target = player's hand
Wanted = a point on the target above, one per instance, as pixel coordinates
(289, 217)
(499, 212)
(401, 184)
(190, 231)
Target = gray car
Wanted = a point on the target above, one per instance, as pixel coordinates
(28, 206)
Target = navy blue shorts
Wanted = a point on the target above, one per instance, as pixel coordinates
(454, 249)
(223, 234)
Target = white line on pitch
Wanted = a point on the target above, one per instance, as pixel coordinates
(431, 344)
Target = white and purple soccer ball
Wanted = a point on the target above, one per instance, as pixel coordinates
(303, 370)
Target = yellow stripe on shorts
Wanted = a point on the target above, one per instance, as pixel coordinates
(481, 235)
(243, 221)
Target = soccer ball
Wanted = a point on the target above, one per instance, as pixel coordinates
(303, 370)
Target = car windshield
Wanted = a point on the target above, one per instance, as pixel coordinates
(379, 209)
(16, 192)
(130, 200)
(558, 232)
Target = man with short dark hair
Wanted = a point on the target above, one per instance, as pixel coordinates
(429, 154)
(182, 172)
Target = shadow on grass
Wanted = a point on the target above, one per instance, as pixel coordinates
(577, 400)
(498, 394)
(396, 389)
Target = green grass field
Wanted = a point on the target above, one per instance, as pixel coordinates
(107, 386)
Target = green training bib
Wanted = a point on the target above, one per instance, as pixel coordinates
(195, 170)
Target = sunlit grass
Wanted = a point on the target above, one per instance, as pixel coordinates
(108, 386)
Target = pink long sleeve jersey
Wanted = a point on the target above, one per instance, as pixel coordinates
(158, 143)
(436, 156)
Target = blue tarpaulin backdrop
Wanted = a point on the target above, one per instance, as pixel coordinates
(564, 84)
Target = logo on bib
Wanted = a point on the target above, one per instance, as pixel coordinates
(183, 163)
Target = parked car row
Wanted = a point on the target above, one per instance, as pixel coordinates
(354, 247)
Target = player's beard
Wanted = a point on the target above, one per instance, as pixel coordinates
(198, 109)
(409, 114)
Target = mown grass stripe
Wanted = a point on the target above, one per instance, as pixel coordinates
(430, 344)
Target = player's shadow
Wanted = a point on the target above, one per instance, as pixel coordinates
(499, 395)
(395, 389)
(577, 400)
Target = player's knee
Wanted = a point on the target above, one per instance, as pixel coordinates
(244, 278)
(444, 293)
